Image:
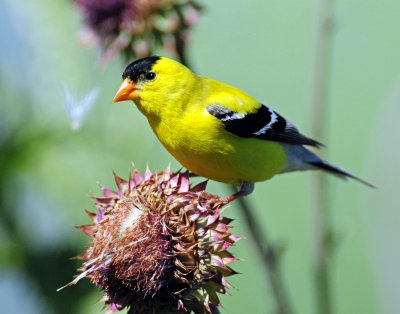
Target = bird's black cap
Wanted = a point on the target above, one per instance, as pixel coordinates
(138, 67)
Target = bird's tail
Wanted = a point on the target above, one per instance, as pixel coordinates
(343, 173)
(300, 158)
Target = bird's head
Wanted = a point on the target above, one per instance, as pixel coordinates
(154, 83)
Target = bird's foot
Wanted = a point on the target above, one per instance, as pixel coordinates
(245, 189)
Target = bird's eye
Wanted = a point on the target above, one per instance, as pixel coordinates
(150, 76)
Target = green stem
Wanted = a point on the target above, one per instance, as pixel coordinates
(321, 198)
(270, 255)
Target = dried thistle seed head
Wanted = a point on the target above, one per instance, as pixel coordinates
(135, 28)
(159, 244)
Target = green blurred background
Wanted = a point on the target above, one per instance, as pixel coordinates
(265, 48)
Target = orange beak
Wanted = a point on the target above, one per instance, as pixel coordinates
(127, 91)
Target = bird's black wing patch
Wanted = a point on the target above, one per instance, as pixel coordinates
(263, 124)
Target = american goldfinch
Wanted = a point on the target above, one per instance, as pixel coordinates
(215, 130)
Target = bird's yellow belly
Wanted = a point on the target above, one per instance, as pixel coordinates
(223, 157)
(232, 168)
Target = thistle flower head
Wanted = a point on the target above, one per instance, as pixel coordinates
(159, 245)
(136, 27)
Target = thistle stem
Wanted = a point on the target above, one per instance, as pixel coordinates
(180, 48)
(321, 198)
(269, 254)
(180, 45)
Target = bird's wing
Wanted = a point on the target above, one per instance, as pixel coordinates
(263, 124)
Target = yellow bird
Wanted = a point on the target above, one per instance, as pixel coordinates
(215, 130)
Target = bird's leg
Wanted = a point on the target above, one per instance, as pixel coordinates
(192, 175)
(245, 189)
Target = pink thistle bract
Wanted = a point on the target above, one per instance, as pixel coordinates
(159, 245)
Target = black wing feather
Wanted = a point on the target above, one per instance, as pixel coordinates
(263, 124)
